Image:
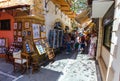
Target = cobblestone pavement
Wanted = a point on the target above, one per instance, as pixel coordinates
(67, 67)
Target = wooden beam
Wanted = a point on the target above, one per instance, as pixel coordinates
(68, 12)
(64, 8)
(60, 2)
(64, 5)
(71, 16)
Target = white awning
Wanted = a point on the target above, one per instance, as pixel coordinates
(100, 7)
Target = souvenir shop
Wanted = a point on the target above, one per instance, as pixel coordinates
(24, 35)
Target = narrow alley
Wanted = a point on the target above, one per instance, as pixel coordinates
(72, 67)
(59, 40)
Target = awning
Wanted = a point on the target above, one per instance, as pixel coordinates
(82, 16)
(100, 7)
(64, 6)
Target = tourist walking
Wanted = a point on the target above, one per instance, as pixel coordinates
(92, 48)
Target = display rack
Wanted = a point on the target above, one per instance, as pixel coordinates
(55, 38)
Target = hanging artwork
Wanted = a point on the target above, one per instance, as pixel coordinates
(15, 38)
(15, 32)
(24, 33)
(26, 24)
(27, 47)
(19, 25)
(43, 34)
(28, 33)
(42, 28)
(15, 26)
(36, 31)
(19, 39)
(40, 49)
(19, 33)
(2, 42)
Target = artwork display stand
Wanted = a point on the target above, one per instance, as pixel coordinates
(29, 26)
(55, 38)
(32, 35)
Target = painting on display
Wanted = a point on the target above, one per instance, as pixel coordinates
(27, 47)
(15, 32)
(15, 26)
(55, 39)
(36, 31)
(51, 38)
(2, 50)
(2, 42)
(24, 33)
(26, 24)
(43, 34)
(41, 49)
(19, 25)
(19, 33)
(19, 39)
(42, 28)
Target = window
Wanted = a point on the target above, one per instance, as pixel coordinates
(5, 24)
(107, 35)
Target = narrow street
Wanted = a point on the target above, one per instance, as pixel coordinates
(67, 67)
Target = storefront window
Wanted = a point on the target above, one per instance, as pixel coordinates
(107, 36)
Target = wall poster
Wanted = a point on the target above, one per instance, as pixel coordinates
(36, 31)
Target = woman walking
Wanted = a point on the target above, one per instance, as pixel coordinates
(93, 40)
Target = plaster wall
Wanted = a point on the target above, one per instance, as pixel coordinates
(51, 16)
(105, 55)
(116, 43)
(9, 33)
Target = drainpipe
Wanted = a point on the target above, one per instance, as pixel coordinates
(99, 43)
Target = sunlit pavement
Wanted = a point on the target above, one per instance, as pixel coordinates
(67, 67)
(80, 69)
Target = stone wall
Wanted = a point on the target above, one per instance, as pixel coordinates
(51, 16)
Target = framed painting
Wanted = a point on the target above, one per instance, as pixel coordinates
(36, 31)
(27, 25)
(28, 33)
(15, 38)
(15, 26)
(19, 39)
(19, 33)
(43, 34)
(19, 25)
(40, 49)
(2, 42)
(24, 33)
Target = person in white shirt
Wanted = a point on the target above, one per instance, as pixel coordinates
(92, 48)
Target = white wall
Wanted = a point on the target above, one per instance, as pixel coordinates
(50, 17)
(105, 55)
(116, 43)
(112, 57)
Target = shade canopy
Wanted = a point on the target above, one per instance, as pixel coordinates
(64, 6)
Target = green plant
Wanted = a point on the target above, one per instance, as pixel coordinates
(77, 5)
